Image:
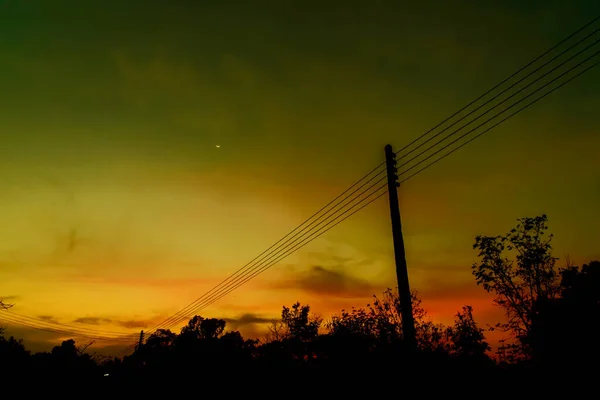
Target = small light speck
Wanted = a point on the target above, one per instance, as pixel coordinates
(218, 146)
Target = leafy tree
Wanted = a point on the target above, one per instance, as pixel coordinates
(201, 328)
(564, 329)
(522, 285)
(300, 323)
(12, 352)
(357, 322)
(160, 339)
(278, 331)
(467, 338)
(68, 355)
(386, 312)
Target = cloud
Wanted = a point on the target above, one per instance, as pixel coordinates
(48, 318)
(328, 282)
(92, 320)
(247, 319)
(140, 323)
(10, 298)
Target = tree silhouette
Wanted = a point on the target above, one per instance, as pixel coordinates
(201, 328)
(12, 352)
(300, 323)
(278, 331)
(523, 284)
(468, 339)
(386, 312)
(564, 329)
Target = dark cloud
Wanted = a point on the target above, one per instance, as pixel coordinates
(329, 282)
(48, 318)
(10, 298)
(92, 320)
(139, 323)
(251, 326)
(246, 319)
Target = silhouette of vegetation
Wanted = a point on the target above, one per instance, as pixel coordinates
(521, 285)
(551, 316)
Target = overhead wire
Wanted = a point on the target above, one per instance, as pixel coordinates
(281, 242)
(62, 325)
(259, 268)
(507, 108)
(14, 321)
(512, 86)
(496, 124)
(523, 68)
(288, 250)
(215, 292)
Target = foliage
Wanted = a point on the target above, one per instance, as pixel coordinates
(467, 338)
(521, 285)
(299, 323)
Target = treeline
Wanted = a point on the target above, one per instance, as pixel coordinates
(552, 314)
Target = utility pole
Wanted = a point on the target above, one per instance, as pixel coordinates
(141, 340)
(408, 322)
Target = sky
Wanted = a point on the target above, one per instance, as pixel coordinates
(148, 149)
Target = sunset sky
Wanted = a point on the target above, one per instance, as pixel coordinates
(117, 208)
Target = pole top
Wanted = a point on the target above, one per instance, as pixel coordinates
(388, 147)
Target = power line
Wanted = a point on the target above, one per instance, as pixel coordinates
(513, 85)
(281, 242)
(310, 238)
(72, 328)
(497, 123)
(286, 253)
(509, 107)
(523, 68)
(20, 322)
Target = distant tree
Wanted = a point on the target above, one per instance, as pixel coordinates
(68, 355)
(12, 353)
(564, 330)
(467, 338)
(201, 328)
(386, 312)
(160, 339)
(523, 284)
(357, 322)
(157, 349)
(277, 331)
(233, 342)
(300, 323)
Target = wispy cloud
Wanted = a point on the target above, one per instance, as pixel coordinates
(141, 323)
(247, 319)
(328, 282)
(48, 318)
(92, 320)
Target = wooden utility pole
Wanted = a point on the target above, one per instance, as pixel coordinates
(408, 322)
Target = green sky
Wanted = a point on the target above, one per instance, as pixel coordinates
(111, 112)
